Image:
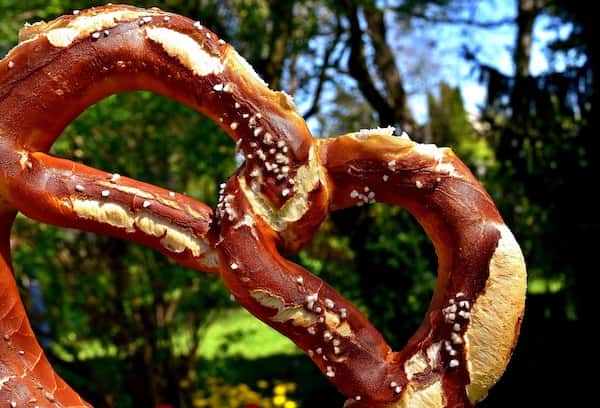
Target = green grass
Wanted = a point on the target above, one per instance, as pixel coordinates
(233, 333)
(237, 333)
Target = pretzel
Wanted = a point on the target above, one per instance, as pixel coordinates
(272, 204)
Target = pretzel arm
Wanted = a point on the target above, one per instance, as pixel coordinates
(62, 67)
(61, 192)
(470, 330)
(69, 194)
(333, 332)
(26, 375)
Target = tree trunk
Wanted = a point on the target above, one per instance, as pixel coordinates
(511, 144)
(385, 64)
(389, 99)
(528, 10)
(282, 18)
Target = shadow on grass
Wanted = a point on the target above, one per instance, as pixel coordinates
(546, 369)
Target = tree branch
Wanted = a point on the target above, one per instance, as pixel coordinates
(282, 18)
(462, 21)
(357, 67)
(322, 78)
(386, 67)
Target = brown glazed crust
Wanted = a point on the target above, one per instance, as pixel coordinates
(478, 302)
(273, 204)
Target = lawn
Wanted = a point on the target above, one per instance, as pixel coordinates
(237, 333)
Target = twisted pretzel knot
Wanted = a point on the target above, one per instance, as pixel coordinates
(274, 202)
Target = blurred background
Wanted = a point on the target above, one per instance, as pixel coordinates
(510, 85)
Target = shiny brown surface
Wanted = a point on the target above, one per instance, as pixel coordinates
(453, 210)
(273, 204)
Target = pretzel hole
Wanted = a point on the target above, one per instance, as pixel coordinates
(379, 258)
(184, 151)
(156, 140)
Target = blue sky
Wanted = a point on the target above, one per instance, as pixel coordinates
(429, 53)
(495, 48)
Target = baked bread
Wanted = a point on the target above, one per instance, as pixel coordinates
(272, 204)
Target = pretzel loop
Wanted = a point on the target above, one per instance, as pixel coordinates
(471, 327)
(273, 203)
(61, 68)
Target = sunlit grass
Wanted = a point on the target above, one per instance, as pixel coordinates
(237, 333)
(541, 285)
(234, 333)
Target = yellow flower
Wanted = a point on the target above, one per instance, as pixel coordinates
(280, 389)
(222, 395)
(200, 402)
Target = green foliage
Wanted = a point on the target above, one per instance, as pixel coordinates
(449, 125)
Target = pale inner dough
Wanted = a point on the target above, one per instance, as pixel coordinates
(495, 316)
(174, 238)
(189, 52)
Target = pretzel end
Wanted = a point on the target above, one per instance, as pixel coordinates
(495, 317)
